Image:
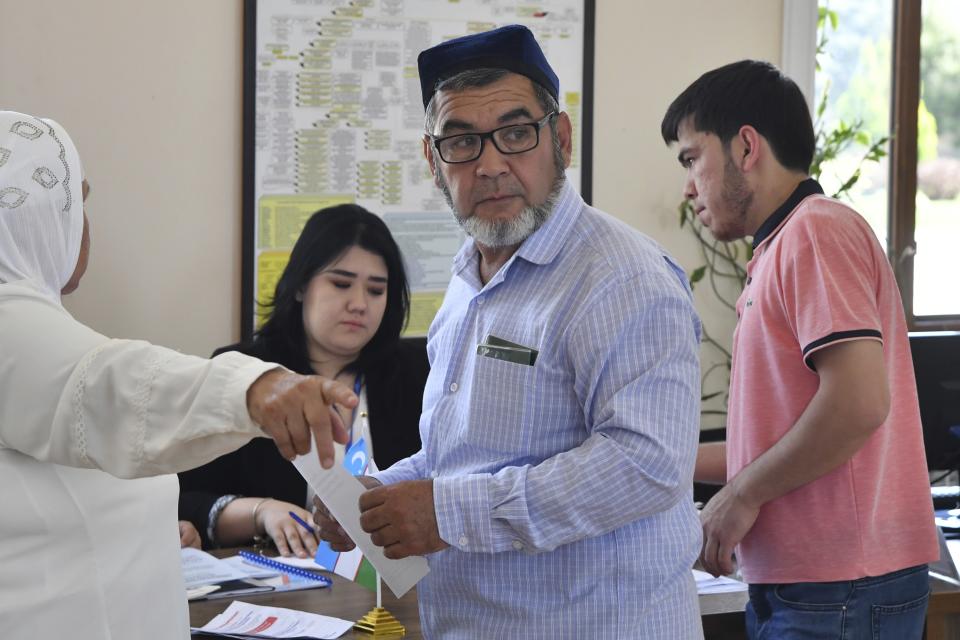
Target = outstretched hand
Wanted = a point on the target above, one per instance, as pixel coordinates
(290, 407)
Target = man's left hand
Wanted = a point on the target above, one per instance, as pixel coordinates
(400, 518)
(726, 519)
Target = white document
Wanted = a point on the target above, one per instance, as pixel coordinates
(200, 568)
(250, 570)
(706, 583)
(244, 620)
(199, 592)
(340, 491)
(953, 547)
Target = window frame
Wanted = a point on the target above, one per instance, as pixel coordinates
(799, 16)
(902, 206)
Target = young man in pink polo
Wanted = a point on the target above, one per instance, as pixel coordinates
(826, 498)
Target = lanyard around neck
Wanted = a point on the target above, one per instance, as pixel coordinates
(357, 387)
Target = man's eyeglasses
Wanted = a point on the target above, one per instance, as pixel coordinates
(513, 138)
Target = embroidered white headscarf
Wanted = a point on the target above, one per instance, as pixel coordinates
(41, 203)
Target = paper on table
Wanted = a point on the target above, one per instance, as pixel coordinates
(201, 568)
(245, 620)
(340, 491)
(251, 571)
(199, 592)
(953, 546)
(706, 583)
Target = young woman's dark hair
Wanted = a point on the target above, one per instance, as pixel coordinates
(394, 371)
(328, 234)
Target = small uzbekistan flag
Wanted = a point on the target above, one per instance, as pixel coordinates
(351, 564)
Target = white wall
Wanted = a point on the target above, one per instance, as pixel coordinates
(646, 54)
(151, 92)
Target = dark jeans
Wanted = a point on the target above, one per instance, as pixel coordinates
(887, 607)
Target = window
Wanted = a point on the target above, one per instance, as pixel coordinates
(893, 65)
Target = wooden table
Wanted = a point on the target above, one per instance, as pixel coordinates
(943, 612)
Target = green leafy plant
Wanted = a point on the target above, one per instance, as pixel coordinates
(723, 267)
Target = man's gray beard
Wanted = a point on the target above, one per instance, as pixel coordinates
(505, 233)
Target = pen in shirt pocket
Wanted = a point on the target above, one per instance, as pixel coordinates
(500, 349)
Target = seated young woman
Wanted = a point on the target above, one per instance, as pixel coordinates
(338, 310)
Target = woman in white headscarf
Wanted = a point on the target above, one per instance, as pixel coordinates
(84, 553)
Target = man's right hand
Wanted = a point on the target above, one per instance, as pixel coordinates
(327, 526)
(290, 407)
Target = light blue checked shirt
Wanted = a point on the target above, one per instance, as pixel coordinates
(564, 488)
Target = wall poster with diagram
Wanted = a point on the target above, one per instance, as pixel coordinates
(333, 114)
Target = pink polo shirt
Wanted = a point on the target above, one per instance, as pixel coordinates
(817, 278)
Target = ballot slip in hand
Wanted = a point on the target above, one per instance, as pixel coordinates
(340, 492)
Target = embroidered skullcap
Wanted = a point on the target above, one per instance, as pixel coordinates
(512, 48)
(41, 203)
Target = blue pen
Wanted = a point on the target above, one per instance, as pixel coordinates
(303, 524)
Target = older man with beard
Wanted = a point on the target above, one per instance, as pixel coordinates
(552, 495)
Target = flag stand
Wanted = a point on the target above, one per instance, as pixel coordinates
(379, 622)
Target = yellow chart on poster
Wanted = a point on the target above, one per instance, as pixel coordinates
(281, 220)
(574, 108)
(270, 266)
(282, 217)
(423, 307)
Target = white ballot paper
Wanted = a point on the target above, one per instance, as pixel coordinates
(340, 491)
